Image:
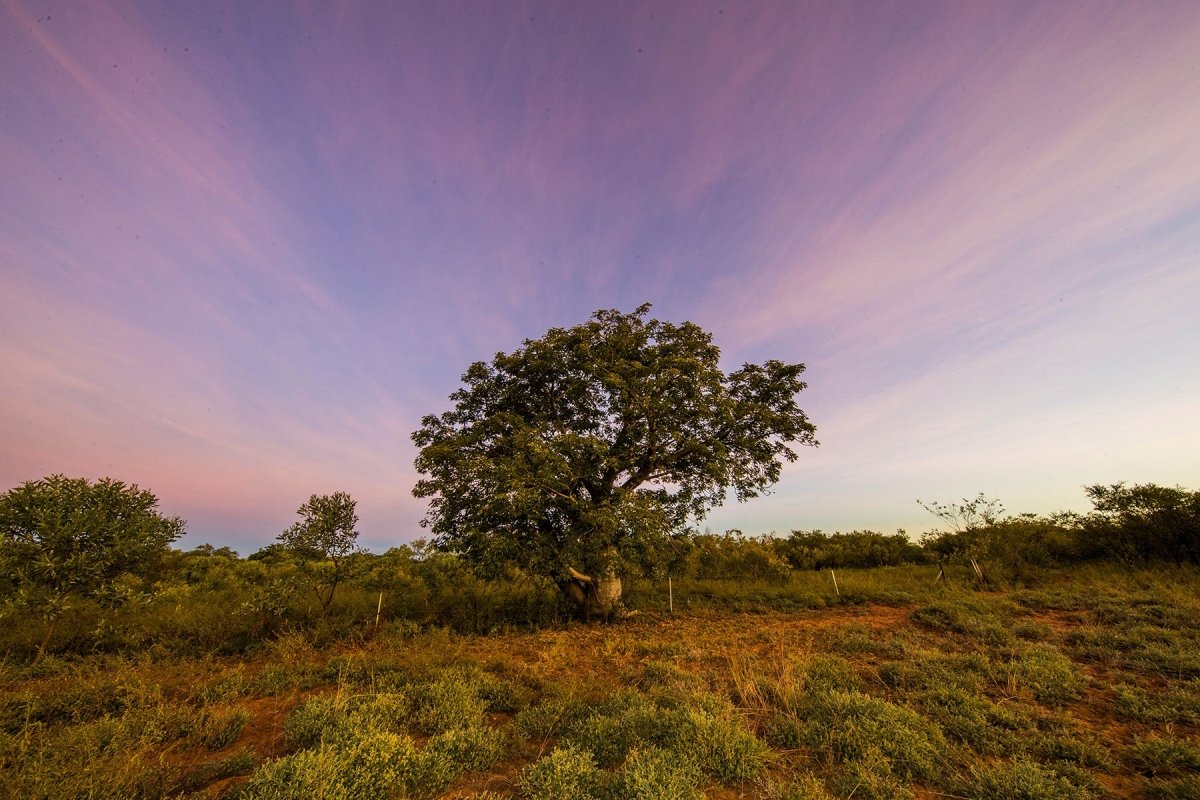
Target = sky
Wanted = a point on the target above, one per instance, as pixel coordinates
(245, 247)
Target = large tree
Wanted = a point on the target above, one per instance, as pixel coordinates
(579, 454)
(63, 540)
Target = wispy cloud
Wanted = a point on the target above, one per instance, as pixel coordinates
(243, 247)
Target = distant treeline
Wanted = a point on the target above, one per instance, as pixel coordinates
(213, 600)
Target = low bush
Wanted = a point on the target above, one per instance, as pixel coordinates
(844, 726)
(1021, 779)
(567, 773)
(1179, 704)
(1046, 673)
(652, 773)
(1160, 756)
(220, 729)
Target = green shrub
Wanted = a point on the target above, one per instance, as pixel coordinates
(845, 726)
(1176, 704)
(550, 718)
(375, 767)
(941, 617)
(568, 773)
(1032, 631)
(929, 671)
(870, 777)
(630, 719)
(224, 689)
(446, 704)
(1047, 673)
(725, 749)
(1161, 756)
(1185, 788)
(1021, 779)
(470, 749)
(501, 694)
(610, 735)
(805, 787)
(330, 718)
(221, 729)
(656, 774)
(827, 673)
(1069, 749)
(309, 720)
(973, 720)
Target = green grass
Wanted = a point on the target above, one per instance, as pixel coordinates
(1053, 692)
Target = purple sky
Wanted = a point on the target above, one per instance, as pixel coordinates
(245, 246)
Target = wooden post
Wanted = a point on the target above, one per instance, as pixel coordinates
(835, 586)
(378, 610)
(670, 595)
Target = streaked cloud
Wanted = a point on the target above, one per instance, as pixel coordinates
(244, 247)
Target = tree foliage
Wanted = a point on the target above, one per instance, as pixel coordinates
(63, 540)
(591, 445)
(819, 550)
(1144, 521)
(66, 539)
(324, 541)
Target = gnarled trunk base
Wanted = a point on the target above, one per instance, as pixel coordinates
(594, 597)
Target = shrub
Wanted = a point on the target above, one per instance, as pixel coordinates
(973, 720)
(337, 718)
(550, 718)
(1185, 788)
(940, 617)
(1048, 674)
(306, 724)
(1159, 756)
(618, 726)
(1177, 704)
(221, 729)
(469, 749)
(375, 767)
(930, 671)
(568, 773)
(846, 725)
(1021, 779)
(805, 787)
(725, 749)
(656, 774)
(447, 704)
(870, 777)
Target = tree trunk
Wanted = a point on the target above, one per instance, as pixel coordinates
(594, 596)
(41, 651)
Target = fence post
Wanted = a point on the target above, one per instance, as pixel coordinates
(670, 595)
(835, 586)
(378, 610)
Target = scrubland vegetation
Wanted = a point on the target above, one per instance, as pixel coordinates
(1064, 667)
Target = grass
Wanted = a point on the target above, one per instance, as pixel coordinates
(1062, 691)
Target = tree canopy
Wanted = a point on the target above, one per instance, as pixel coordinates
(324, 542)
(1145, 521)
(590, 446)
(66, 539)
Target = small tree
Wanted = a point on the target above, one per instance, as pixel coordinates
(66, 540)
(585, 450)
(971, 522)
(1145, 521)
(324, 543)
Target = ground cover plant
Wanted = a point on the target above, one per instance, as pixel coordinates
(1082, 686)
